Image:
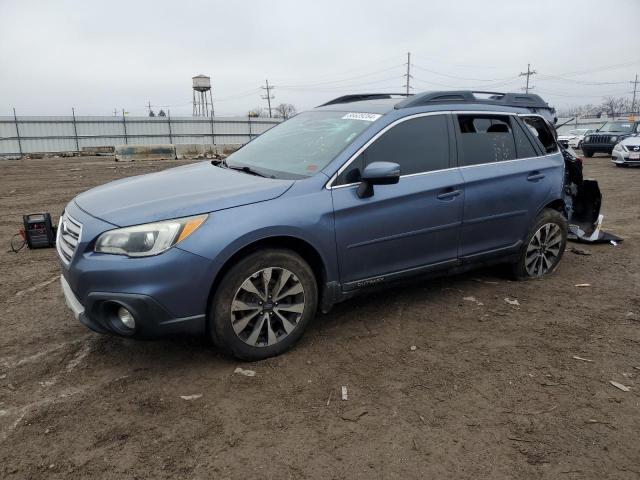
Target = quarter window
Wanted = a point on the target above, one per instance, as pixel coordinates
(524, 148)
(485, 139)
(418, 145)
(542, 133)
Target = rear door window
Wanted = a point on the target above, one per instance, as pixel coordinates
(418, 145)
(541, 132)
(484, 138)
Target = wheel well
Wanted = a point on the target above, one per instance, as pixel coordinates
(557, 205)
(301, 247)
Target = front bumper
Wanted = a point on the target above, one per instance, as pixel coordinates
(598, 147)
(70, 299)
(152, 320)
(622, 158)
(166, 294)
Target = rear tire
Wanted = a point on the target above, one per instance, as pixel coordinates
(543, 247)
(587, 153)
(263, 304)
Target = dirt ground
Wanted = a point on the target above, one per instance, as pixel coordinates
(492, 390)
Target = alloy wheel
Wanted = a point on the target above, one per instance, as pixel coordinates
(267, 307)
(543, 250)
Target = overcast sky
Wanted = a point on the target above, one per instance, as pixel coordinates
(100, 55)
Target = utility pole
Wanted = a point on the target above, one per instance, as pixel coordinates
(528, 74)
(149, 106)
(268, 97)
(115, 112)
(408, 74)
(635, 88)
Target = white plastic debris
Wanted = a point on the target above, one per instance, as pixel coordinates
(472, 299)
(512, 301)
(246, 373)
(582, 285)
(413, 348)
(345, 396)
(614, 243)
(620, 386)
(191, 397)
(583, 359)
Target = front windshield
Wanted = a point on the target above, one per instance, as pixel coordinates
(617, 127)
(303, 145)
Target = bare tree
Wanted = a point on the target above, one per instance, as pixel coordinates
(614, 106)
(285, 110)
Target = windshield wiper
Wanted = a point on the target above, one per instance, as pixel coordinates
(248, 170)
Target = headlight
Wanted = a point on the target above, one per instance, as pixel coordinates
(587, 139)
(618, 147)
(613, 139)
(149, 239)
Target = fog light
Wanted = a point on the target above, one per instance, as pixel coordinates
(126, 318)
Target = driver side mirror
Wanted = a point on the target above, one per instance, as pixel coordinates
(378, 173)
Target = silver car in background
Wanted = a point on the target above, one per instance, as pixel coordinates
(627, 152)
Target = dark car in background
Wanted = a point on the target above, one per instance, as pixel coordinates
(605, 138)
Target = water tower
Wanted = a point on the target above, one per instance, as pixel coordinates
(202, 106)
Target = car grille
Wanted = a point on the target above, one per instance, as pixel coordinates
(600, 139)
(69, 232)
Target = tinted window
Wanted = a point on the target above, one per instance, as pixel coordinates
(524, 148)
(417, 145)
(485, 139)
(542, 133)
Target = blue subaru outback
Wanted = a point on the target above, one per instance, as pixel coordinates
(361, 191)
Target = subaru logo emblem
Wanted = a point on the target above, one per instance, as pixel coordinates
(635, 149)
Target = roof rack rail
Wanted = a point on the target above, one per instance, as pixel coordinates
(357, 97)
(527, 100)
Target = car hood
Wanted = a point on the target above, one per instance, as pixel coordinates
(632, 140)
(177, 192)
(567, 137)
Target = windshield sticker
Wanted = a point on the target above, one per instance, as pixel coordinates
(367, 117)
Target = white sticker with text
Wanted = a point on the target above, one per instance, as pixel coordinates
(367, 117)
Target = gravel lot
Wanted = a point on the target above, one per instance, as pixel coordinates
(492, 390)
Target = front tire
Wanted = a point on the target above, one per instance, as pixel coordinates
(543, 247)
(587, 153)
(263, 304)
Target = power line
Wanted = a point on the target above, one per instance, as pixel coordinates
(344, 79)
(528, 74)
(455, 77)
(268, 97)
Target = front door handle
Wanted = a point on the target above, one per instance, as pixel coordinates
(535, 176)
(448, 194)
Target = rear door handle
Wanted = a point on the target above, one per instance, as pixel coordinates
(535, 176)
(448, 194)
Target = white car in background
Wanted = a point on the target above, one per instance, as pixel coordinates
(573, 138)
